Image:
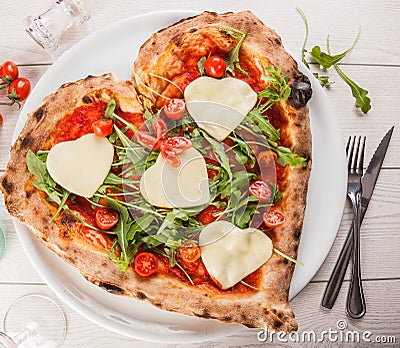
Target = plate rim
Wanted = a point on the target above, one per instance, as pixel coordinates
(58, 290)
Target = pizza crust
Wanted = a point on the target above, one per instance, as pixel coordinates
(268, 307)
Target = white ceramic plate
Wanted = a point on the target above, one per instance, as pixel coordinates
(113, 49)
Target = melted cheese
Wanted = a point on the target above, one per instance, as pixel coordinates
(80, 166)
(177, 187)
(230, 253)
(218, 106)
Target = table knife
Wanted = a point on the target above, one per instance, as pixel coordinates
(368, 184)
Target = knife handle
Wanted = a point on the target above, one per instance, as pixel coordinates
(336, 279)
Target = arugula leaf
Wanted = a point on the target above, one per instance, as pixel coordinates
(279, 90)
(324, 80)
(200, 65)
(363, 102)
(218, 148)
(122, 229)
(109, 112)
(326, 60)
(263, 124)
(232, 61)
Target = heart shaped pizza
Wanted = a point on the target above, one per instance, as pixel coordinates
(184, 187)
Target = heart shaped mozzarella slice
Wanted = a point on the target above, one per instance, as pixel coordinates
(177, 187)
(218, 106)
(81, 165)
(230, 253)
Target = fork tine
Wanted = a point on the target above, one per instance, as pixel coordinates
(348, 145)
(355, 158)
(361, 159)
(352, 141)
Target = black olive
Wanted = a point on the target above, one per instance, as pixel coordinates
(301, 91)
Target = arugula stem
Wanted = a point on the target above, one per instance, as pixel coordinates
(288, 257)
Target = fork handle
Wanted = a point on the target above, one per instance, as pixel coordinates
(355, 300)
(339, 271)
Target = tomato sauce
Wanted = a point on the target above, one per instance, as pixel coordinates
(200, 277)
(79, 122)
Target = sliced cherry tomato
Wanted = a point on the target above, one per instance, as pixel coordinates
(189, 251)
(106, 218)
(147, 140)
(146, 264)
(209, 214)
(171, 156)
(1, 120)
(178, 144)
(215, 66)
(19, 89)
(102, 127)
(261, 190)
(172, 147)
(9, 70)
(175, 109)
(160, 128)
(273, 218)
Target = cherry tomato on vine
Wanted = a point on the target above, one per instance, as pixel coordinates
(273, 218)
(102, 127)
(261, 190)
(145, 264)
(175, 109)
(215, 66)
(189, 251)
(9, 70)
(19, 89)
(106, 218)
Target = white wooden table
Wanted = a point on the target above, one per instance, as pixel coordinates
(374, 64)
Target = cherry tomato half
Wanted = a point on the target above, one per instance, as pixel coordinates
(175, 109)
(9, 70)
(178, 144)
(208, 215)
(160, 128)
(273, 218)
(145, 264)
(261, 190)
(102, 127)
(147, 140)
(215, 66)
(106, 218)
(1, 119)
(19, 89)
(189, 251)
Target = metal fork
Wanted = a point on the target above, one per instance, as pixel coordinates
(355, 305)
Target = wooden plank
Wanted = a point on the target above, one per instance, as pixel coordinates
(377, 44)
(382, 319)
(380, 240)
(382, 116)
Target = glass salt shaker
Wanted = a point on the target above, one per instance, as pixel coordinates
(47, 28)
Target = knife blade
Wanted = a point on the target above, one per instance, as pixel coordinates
(368, 184)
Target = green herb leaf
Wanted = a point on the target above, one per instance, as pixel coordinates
(200, 65)
(323, 80)
(276, 90)
(263, 124)
(363, 102)
(232, 61)
(326, 60)
(109, 112)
